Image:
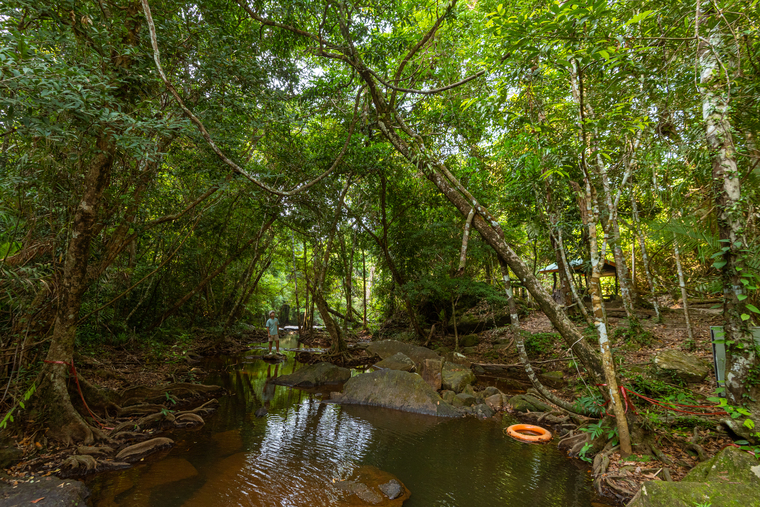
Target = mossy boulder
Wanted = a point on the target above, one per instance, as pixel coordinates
(527, 403)
(683, 366)
(315, 375)
(456, 377)
(729, 465)
(470, 323)
(395, 389)
(469, 340)
(731, 478)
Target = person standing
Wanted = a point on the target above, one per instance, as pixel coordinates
(273, 327)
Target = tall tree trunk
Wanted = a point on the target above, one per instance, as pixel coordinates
(364, 290)
(514, 318)
(465, 241)
(569, 275)
(742, 356)
(645, 256)
(684, 295)
(295, 281)
(589, 215)
(64, 421)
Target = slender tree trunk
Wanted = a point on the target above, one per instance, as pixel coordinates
(589, 214)
(569, 275)
(514, 318)
(465, 240)
(295, 281)
(364, 290)
(645, 256)
(682, 285)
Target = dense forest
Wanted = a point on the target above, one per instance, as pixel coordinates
(171, 169)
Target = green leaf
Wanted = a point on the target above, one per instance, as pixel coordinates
(752, 308)
(745, 317)
(741, 297)
(719, 264)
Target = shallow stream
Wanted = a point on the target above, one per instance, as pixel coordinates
(288, 456)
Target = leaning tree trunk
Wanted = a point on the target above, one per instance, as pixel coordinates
(65, 423)
(742, 356)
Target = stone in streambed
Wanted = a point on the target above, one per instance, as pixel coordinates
(683, 366)
(456, 377)
(482, 411)
(392, 489)
(430, 370)
(464, 400)
(495, 402)
(315, 375)
(448, 396)
(394, 389)
(398, 361)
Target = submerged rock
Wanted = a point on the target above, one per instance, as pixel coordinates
(388, 348)
(398, 361)
(368, 485)
(51, 490)
(731, 478)
(683, 366)
(456, 377)
(315, 375)
(394, 389)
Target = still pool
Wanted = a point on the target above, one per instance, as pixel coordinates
(289, 456)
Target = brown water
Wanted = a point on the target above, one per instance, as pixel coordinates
(289, 456)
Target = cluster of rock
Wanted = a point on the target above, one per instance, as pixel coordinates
(412, 379)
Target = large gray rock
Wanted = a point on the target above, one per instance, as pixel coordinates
(731, 478)
(686, 367)
(47, 491)
(398, 361)
(387, 348)
(526, 402)
(394, 389)
(456, 377)
(315, 375)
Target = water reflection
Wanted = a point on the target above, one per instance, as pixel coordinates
(291, 454)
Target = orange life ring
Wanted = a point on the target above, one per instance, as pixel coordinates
(529, 433)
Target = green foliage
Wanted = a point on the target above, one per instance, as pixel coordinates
(537, 344)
